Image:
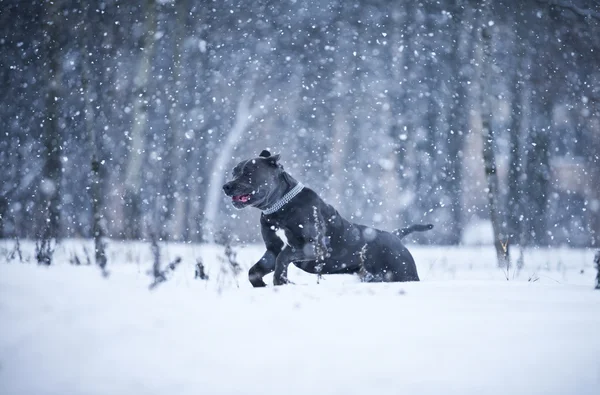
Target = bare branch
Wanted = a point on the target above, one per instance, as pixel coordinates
(584, 13)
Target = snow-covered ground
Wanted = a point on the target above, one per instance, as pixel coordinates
(464, 329)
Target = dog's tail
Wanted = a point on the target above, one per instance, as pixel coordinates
(401, 233)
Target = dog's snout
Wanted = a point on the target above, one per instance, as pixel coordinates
(228, 188)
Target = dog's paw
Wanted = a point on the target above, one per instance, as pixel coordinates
(256, 280)
(280, 281)
(258, 283)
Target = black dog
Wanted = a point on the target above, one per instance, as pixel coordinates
(299, 227)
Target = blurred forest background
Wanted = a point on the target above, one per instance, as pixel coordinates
(126, 117)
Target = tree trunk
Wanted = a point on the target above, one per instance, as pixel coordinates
(593, 158)
(338, 154)
(458, 118)
(489, 156)
(597, 262)
(3, 211)
(424, 132)
(243, 118)
(516, 171)
(176, 171)
(50, 185)
(538, 172)
(132, 212)
(98, 231)
(430, 171)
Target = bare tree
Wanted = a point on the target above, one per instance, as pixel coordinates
(160, 275)
(175, 171)
(597, 262)
(489, 156)
(593, 152)
(98, 232)
(518, 125)
(460, 103)
(50, 183)
(246, 111)
(582, 21)
(582, 12)
(133, 176)
(376, 86)
(4, 203)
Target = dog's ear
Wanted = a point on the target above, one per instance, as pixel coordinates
(273, 160)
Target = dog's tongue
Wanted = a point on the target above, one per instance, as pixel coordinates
(241, 198)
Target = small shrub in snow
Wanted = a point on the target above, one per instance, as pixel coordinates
(222, 238)
(200, 272)
(320, 252)
(521, 260)
(44, 251)
(100, 254)
(597, 262)
(363, 274)
(231, 255)
(504, 260)
(75, 260)
(230, 268)
(16, 252)
(160, 275)
(533, 278)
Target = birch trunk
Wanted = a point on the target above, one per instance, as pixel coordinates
(176, 171)
(517, 162)
(133, 176)
(489, 156)
(462, 49)
(98, 231)
(243, 118)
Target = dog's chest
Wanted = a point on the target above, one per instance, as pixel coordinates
(281, 234)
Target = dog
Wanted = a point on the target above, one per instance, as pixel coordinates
(298, 227)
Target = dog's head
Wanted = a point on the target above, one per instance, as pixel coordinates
(254, 180)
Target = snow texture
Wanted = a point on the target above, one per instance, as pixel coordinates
(463, 330)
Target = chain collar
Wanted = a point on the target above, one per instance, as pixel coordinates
(284, 200)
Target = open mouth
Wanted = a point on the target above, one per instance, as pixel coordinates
(241, 198)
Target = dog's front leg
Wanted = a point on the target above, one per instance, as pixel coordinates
(281, 268)
(264, 266)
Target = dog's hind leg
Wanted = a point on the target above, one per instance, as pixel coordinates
(391, 265)
(401, 266)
